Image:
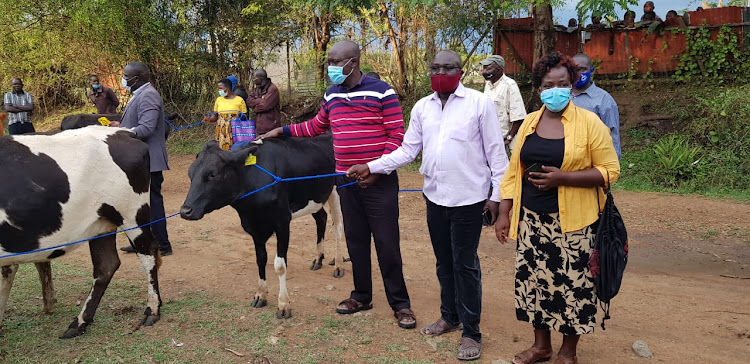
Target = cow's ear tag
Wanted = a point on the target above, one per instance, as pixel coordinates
(104, 121)
(251, 159)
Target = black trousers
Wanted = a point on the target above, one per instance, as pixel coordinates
(20, 128)
(455, 232)
(159, 229)
(373, 212)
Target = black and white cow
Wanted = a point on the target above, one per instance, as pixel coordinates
(77, 121)
(219, 177)
(69, 186)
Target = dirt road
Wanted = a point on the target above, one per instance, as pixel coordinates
(674, 296)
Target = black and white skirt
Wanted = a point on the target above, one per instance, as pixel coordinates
(554, 287)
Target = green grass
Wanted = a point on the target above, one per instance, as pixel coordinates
(714, 120)
(641, 177)
(206, 324)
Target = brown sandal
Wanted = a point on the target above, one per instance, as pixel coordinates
(440, 327)
(406, 318)
(533, 355)
(469, 349)
(350, 306)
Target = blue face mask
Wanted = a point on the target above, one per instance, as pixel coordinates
(222, 93)
(124, 83)
(584, 78)
(96, 86)
(336, 73)
(556, 98)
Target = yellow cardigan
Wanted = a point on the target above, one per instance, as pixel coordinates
(587, 144)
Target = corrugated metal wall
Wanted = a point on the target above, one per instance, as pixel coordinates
(619, 50)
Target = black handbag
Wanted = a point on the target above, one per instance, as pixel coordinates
(610, 253)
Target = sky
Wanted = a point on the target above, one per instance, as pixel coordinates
(661, 7)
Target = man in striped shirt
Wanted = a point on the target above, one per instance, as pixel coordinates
(365, 117)
(19, 105)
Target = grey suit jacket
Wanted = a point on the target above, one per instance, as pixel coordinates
(145, 115)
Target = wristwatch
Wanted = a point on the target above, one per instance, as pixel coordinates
(509, 137)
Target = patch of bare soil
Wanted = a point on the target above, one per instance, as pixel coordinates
(676, 295)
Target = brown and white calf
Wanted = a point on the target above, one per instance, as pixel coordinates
(69, 186)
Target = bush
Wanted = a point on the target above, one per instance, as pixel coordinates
(676, 158)
(709, 153)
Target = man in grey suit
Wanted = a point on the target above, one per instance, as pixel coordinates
(144, 115)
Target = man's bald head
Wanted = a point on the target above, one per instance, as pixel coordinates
(447, 57)
(137, 69)
(260, 73)
(345, 49)
(582, 60)
(136, 74)
(346, 54)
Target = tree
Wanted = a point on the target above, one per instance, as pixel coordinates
(319, 18)
(544, 31)
(603, 8)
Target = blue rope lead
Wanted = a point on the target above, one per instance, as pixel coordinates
(276, 180)
(85, 240)
(347, 184)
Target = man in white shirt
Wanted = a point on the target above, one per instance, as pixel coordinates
(457, 130)
(504, 92)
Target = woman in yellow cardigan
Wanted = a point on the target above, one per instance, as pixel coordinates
(551, 195)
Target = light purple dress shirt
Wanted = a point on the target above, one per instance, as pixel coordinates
(462, 148)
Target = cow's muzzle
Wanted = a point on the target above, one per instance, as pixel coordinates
(187, 213)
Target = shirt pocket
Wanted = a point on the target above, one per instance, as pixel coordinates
(455, 149)
(581, 154)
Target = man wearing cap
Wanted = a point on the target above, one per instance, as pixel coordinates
(237, 89)
(505, 95)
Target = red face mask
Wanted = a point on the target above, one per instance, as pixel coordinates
(445, 83)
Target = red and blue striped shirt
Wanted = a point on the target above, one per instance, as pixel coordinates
(366, 121)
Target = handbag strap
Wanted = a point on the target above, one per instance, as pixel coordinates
(605, 190)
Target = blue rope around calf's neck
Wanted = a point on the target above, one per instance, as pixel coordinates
(276, 180)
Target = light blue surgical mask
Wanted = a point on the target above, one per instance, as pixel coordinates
(96, 86)
(556, 98)
(336, 73)
(222, 93)
(124, 83)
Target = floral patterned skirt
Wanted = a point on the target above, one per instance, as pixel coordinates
(224, 132)
(554, 287)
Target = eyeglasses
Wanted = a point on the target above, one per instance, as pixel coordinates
(448, 70)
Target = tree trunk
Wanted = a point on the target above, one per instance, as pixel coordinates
(544, 31)
(544, 43)
(396, 39)
(430, 49)
(321, 37)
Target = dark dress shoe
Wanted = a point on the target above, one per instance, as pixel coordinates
(165, 252)
(128, 249)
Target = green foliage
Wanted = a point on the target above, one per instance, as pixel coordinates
(715, 59)
(714, 129)
(676, 158)
(54, 45)
(603, 8)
